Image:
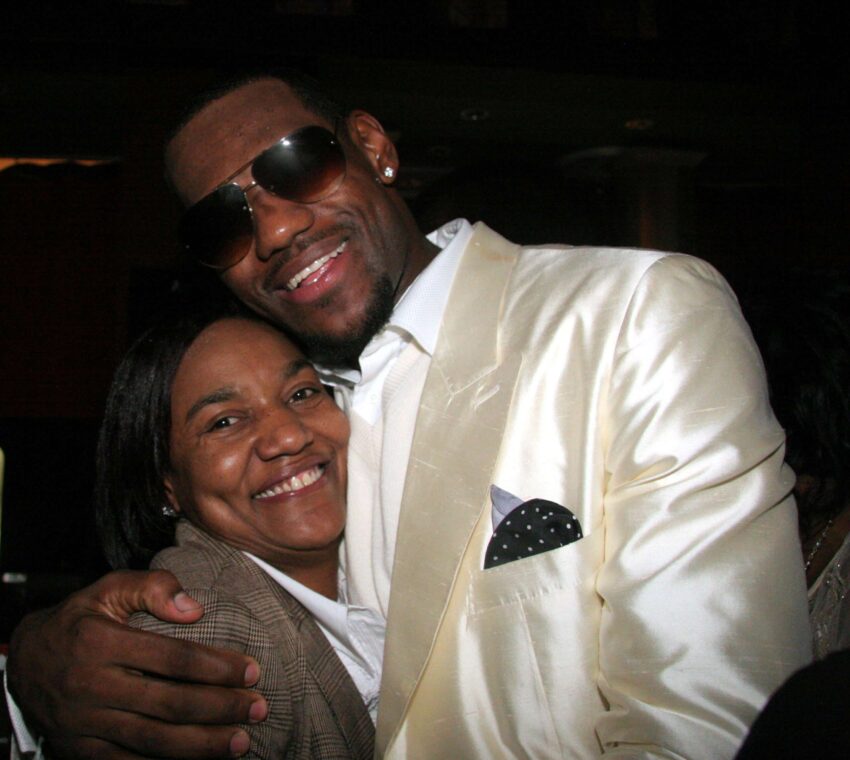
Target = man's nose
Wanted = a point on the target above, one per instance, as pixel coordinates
(277, 222)
(282, 433)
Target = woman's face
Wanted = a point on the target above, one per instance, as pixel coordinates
(258, 447)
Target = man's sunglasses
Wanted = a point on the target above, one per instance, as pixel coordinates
(303, 167)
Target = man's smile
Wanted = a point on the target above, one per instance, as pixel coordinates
(311, 269)
(316, 266)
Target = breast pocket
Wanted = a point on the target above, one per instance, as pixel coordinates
(569, 571)
(530, 637)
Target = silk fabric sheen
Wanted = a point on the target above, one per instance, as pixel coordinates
(626, 386)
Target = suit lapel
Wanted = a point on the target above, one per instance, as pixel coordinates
(458, 433)
(332, 678)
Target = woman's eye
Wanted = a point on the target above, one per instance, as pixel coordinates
(222, 422)
(302, 394)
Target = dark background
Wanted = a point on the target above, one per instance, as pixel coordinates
(714, 128)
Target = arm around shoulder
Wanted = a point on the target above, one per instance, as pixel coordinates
(73, 672)
(228, 624)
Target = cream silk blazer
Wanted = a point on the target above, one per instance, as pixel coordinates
(625, 386)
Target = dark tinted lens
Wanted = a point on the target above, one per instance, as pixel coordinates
(305, 167)
(218, 229)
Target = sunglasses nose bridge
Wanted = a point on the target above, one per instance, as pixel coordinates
(277, 221)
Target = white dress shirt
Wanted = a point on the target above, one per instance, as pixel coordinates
(355, 633)
(417, 316)
(382, 400)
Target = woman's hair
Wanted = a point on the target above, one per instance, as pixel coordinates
(133, 455)
(801, 323)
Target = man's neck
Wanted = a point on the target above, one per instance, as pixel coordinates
(419, 257)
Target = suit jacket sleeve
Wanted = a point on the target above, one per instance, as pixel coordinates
(229, 624)
(702, 587)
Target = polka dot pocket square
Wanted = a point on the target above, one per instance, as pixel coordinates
(526, 528)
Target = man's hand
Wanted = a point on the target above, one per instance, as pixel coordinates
(80, 676)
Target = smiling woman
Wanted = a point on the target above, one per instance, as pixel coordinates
(219, 438)
(258, 450)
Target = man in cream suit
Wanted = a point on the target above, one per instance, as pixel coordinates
(633, 397)
(621, 387)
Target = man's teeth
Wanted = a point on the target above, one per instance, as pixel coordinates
(295, 483)
(317, 264)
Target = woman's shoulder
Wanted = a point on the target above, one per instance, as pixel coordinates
(200, 561)
(230, 587)
(245, 611)
(235, 593)
(229, 623)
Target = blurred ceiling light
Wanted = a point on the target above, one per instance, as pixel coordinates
(474, 114)
(7, 162)
(639, 124)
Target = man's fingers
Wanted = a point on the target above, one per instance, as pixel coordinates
(150, 738)
(145, 729)
(188, 661)
(134, 737)
(124, 592)
(69, 666)
(163, 656)
(163, 700)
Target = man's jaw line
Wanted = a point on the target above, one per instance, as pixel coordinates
(343, 350)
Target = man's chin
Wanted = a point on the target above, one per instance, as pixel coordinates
(343, 350)
(331, 352)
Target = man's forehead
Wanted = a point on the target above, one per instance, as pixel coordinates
(229, 131)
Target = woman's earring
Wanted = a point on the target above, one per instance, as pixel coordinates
(389, 172)
(169, 511)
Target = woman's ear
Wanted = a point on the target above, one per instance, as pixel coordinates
(170, 498)
(367, 134)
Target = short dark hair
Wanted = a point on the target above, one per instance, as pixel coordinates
(309, 91)
(133, 451)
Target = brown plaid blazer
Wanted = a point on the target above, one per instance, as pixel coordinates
(315, 710)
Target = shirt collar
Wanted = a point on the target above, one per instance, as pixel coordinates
(328, 612)
(419, 311)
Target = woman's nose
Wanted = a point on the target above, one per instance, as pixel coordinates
(282, 433)
(277, 222)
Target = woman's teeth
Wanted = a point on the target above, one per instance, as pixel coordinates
(316, 265)
(295, 483)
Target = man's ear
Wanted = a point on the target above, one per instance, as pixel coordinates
(367, 134)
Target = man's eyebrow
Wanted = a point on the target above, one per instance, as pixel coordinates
(216, 397)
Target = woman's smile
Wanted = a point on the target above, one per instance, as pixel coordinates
(294, 484)
(258, 447)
